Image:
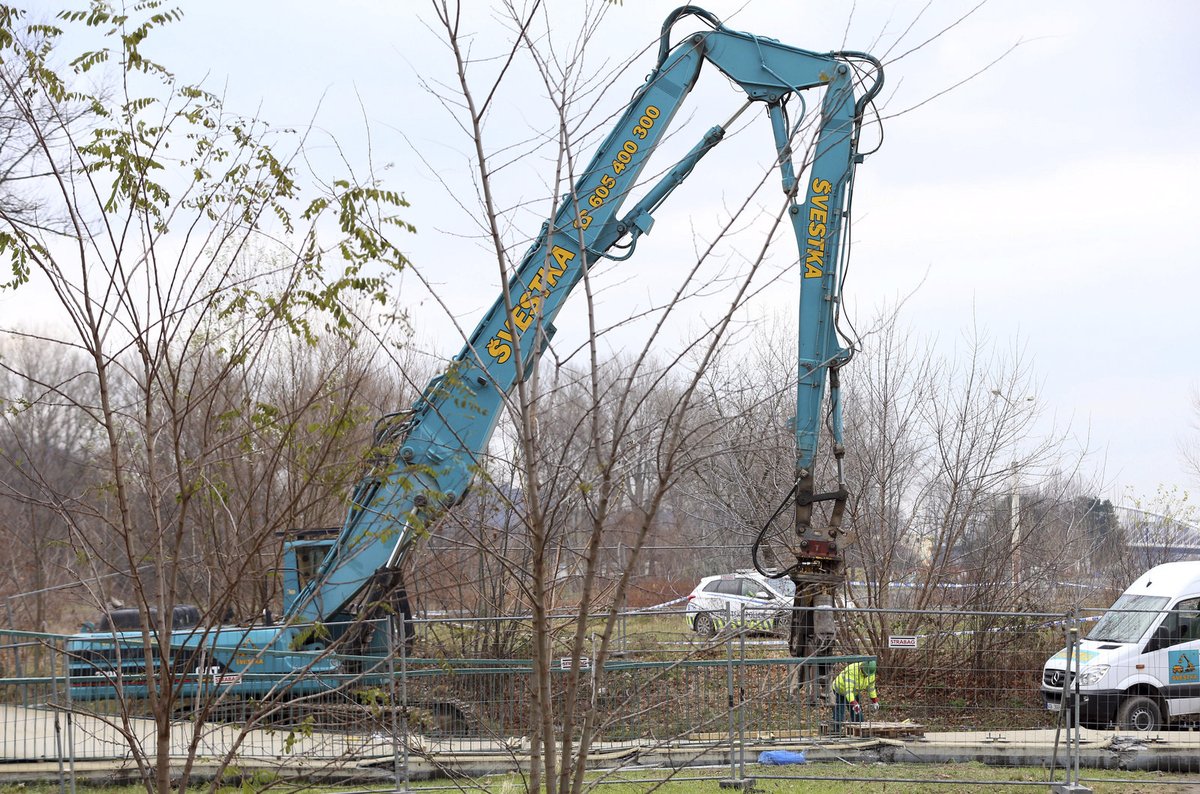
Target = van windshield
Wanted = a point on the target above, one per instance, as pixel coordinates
(1128, 619)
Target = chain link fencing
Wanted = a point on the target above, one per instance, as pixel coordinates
(1011, 689)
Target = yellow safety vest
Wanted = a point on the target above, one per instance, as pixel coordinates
(853, 680)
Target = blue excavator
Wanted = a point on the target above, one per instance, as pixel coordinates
(438, 443)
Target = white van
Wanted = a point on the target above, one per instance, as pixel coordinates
(1138, 664)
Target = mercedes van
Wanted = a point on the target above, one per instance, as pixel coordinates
(1138, 667)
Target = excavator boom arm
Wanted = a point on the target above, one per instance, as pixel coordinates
(439, 443)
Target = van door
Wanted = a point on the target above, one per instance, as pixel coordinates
(1172, 655)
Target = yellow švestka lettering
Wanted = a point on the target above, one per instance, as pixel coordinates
(818, 228)
(529, 304)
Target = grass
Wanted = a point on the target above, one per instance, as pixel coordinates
(825, 778)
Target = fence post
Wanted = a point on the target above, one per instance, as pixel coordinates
(1065, 704)
(592, 670)
(1075, 785)
(737, 744)
(741, 708)
(624, 628)
(61, 657)
(729, 693)
(16, 652)
(1069, 703)
(393, 707)
(403, 736)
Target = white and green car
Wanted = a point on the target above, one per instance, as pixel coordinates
(743, 600)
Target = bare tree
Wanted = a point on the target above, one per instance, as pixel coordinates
(964, 501)
(188, 256)
(596, 453)
(1189, 447)
(23, 109)
(739, 476)
(959, 498)
(1157, 529)
(46, 451)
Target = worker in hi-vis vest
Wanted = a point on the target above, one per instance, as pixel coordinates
(849, 688)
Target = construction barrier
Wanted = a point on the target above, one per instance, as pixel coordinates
(952, 686)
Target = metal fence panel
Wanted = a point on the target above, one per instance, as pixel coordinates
(953, 685)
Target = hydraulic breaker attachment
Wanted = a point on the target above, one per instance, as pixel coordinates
(818, 573)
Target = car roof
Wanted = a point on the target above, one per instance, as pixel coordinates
(755, 575)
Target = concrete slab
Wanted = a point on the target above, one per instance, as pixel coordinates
(36, 739)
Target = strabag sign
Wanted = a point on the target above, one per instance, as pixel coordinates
(564, 663)
(902, 641)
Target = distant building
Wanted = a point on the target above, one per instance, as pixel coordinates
(1155, 539)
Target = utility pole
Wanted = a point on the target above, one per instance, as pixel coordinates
(1014, 495)
(1014, 522)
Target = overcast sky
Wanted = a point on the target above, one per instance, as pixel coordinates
(1044, 202)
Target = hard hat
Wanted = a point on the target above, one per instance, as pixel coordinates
(869, 666)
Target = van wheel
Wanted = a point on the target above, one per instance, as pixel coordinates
(1139, 713)
(704, 625)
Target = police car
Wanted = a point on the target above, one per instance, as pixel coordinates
(743, 600)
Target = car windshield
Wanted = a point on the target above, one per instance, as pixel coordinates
(1128, 619)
